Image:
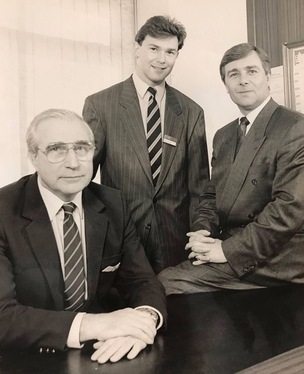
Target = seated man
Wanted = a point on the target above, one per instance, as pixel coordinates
(248, 230)
(64, 243)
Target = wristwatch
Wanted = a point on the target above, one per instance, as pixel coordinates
(151, 313)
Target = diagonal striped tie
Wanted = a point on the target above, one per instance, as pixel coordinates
(241, 133)
(154, 136)
(73, 261)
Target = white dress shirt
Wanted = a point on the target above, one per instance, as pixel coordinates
(56, 214)
(253, 114)
(143, 97)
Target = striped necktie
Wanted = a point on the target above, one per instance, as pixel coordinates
(241, 133)
(154, 136)
(73, 261)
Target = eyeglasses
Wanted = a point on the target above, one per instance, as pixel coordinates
(57, 152)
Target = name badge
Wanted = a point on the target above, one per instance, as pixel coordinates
(170, 140)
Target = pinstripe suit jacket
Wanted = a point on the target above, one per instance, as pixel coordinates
(161, 214)
(256, 202)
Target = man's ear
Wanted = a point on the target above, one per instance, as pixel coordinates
(268, 76)
(33, 158)
(137, 49)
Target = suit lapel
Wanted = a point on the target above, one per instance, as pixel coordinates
(133, 123)
(43, 243)
(96, 225)
(173, 127)
(244, 158)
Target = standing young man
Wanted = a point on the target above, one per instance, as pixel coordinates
(151, 144)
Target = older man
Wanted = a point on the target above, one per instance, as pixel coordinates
(64, 243)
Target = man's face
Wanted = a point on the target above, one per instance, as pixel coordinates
(156, 58)
(66, 178)
(246, 82)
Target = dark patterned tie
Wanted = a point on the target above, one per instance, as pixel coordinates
(242, 128)
(154, 136)
(73, 261)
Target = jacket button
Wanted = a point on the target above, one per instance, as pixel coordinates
(251, 216)
(148, 226)
(254, 182)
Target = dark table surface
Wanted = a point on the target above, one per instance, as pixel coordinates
(214, 333)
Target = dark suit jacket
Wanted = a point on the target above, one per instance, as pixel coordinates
(161, 214)
(256, 202)
(31, 289)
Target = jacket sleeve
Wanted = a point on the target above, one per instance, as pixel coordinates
(205, 215)
(198, 163)
(136, 281)
(23, 326)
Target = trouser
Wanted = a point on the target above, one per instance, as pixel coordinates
(188, 278)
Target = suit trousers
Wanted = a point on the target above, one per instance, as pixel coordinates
(188, 278)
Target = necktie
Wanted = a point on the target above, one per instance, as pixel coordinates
(242, 128)
(154, 136)
(73, 261)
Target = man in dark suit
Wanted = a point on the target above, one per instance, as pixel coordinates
(64, 243)
(248, 230)
(162, 185)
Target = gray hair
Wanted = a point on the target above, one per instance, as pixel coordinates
(60, 114)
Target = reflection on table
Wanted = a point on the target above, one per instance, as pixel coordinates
(213, 333)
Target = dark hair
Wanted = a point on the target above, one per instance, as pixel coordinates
(162, 27)
(240, 51)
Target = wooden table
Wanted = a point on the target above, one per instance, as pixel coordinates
(213, 333)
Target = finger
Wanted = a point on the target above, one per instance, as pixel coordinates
(139, 325)
(201, 239)
(110, 348)
(102, 347)
(147, 327)
(198, 232)
(198, 247)
(122, 350)
(199, 262)
(139, 346)
(203, 258)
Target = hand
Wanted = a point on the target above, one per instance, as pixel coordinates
(116, 348)
(123, 322)
(204, 248)
(198, 243)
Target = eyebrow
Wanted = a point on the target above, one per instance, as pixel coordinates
(157, 46)
(248, 67)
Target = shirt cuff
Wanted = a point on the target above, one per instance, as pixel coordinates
(73, 338)
(160, 316)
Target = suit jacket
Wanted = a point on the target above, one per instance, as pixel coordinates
(161, 214)
(256, 202)
(31, 289)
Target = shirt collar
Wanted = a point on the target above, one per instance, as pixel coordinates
(53, 203)
(254, 113)
(141, 87)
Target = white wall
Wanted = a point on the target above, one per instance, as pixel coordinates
(212, 27)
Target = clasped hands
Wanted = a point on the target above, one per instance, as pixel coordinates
(204, 249)
(123, 332)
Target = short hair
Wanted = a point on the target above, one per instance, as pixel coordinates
(60, 114)
(162, 27)
(240, 51)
